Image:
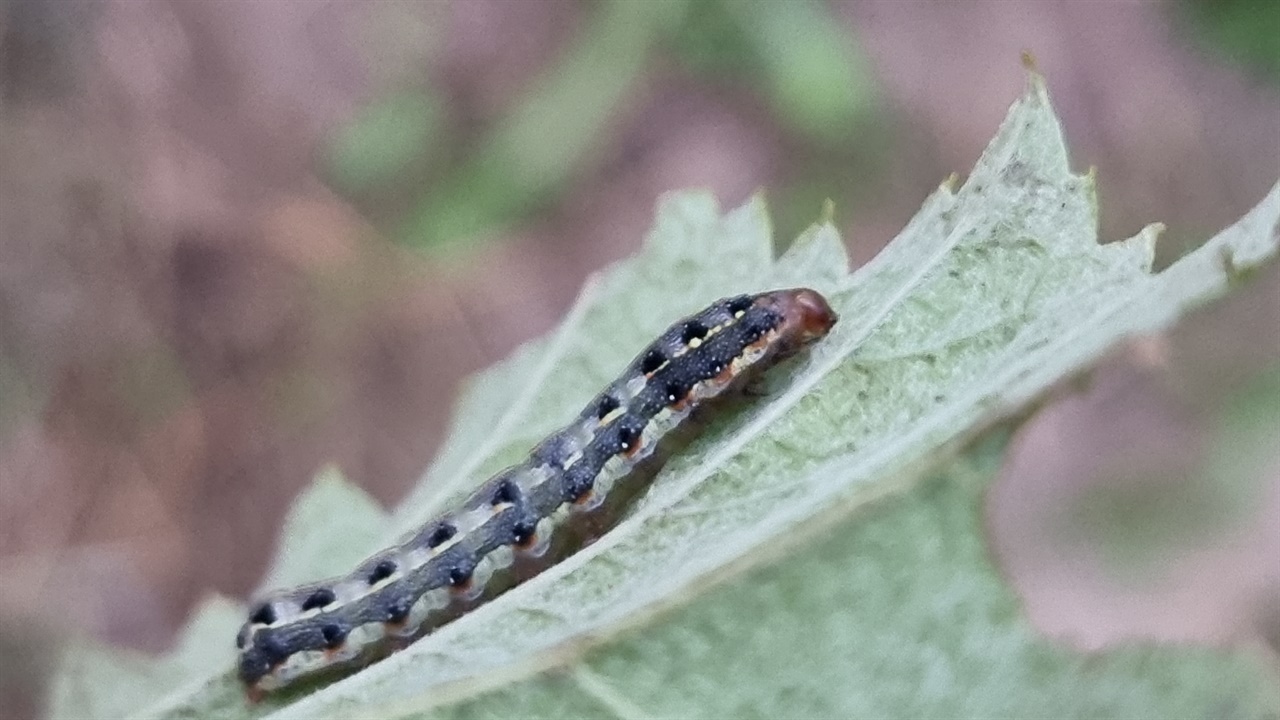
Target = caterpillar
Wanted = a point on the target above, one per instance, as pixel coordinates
(573, 487)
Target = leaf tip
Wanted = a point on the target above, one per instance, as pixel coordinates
(828, 214)
(758, 206)
(1037, 88)
(330, 475)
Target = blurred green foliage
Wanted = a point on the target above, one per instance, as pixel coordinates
(457, 184)
(387, 138)
(809, 69)
(799, 58)
(806, 66)
(518, 164)
(1246, 31)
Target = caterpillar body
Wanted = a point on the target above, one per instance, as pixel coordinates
(572, 488)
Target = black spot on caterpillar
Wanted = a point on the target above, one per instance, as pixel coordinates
(573, 488)
(318, 599)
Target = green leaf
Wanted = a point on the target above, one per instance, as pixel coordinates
(807, 556)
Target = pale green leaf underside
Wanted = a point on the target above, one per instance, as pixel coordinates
(992, 293)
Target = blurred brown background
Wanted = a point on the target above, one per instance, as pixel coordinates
(240, 240)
